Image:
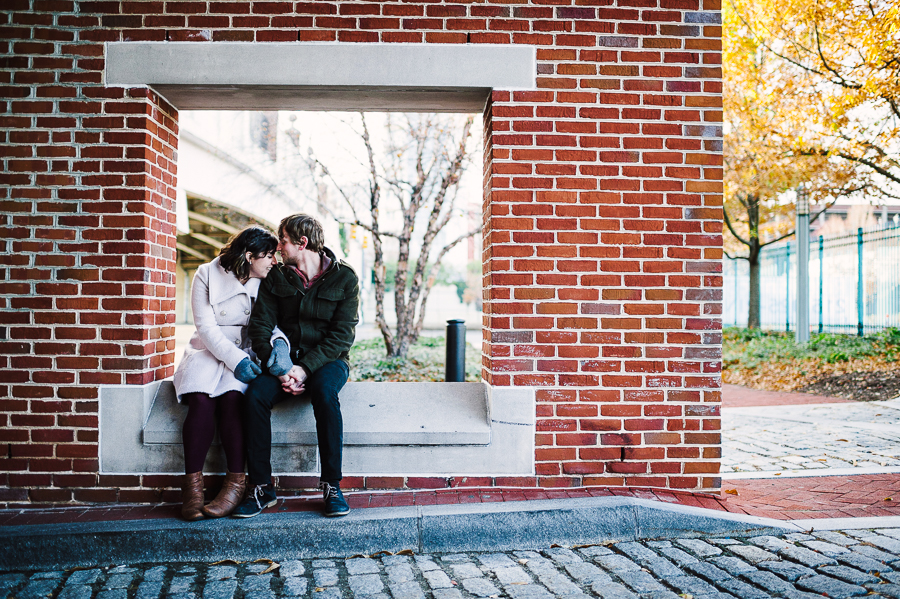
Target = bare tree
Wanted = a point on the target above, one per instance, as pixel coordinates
(409, 198)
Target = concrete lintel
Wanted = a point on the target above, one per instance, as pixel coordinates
(322, 76)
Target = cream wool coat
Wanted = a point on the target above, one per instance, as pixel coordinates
(222, 309)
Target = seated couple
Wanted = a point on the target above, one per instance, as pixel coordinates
(266, 333)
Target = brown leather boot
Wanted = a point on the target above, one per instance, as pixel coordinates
(229, 497)
(192, 496)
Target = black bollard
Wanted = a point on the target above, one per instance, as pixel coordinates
(456, 351)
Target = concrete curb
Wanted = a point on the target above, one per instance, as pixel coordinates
(423, 529)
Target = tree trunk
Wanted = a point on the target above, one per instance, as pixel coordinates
(753, 311)
(753, 259)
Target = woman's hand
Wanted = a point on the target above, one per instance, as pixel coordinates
(246, 370)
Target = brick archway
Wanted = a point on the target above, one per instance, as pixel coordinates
(602, 227)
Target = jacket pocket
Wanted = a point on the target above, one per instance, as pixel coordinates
(326, 302)
(284, 290)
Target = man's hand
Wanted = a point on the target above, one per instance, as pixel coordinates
(292, 381)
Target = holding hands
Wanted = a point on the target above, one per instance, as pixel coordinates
(291, 376)
(293, 381)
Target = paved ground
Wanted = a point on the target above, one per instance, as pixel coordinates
(815, 497)
(833, 437)
(735, 396)
(834, 564)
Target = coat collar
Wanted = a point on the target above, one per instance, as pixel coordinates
(224, 285)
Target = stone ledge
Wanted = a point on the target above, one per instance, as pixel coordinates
(470, 429)
(374, 414)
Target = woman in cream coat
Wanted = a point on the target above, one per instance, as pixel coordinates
(217, 365)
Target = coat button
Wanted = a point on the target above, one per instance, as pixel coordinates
(246, 311)
(237, 341)
(222, 312)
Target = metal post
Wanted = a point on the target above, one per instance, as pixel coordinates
(735, 269)
(859, 282)
(821, 277)
(787, 287)
(802, 334)
(456, 351)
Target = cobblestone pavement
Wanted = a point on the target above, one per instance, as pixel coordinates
(846, 436)
(835, 564)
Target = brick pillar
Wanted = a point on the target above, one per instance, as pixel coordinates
(88, 257)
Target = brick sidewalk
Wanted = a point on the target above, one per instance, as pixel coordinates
(734, 396)
(782, 499)
(28, 515)
(815, 496)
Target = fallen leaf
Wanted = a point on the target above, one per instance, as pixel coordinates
(225, 561)
(732, 491)
(320, 590)
(844, 440)
(272, 566)
(523, 561)
(405, 552)
(888, 498)
(778, 474)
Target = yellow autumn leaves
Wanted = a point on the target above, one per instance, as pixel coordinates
(811, 95)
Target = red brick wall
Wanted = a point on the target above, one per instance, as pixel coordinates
(602, 235)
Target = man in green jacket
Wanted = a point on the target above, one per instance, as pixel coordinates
(313, 298)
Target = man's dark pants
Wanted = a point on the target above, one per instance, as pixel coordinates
(322, 389)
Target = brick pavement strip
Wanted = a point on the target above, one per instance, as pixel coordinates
(835, 564)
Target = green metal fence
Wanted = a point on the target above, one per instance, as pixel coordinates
(854, 284)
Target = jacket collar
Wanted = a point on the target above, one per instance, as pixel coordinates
(224, 285)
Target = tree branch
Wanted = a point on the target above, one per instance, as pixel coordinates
(730, 228)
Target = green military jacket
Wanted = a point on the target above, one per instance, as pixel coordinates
(320, 322)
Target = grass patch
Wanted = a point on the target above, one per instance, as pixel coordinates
(424, 362)
(829, 364)
(748, 348)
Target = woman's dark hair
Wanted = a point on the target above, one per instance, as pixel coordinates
(256, 240)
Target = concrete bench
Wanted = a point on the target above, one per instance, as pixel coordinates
(389, 428)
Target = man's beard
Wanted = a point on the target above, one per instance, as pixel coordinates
(289, 261)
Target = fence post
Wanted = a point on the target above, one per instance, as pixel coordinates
(802, 228)
(735, 269)
(821, 276)
(787, 287)
(859, 282)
